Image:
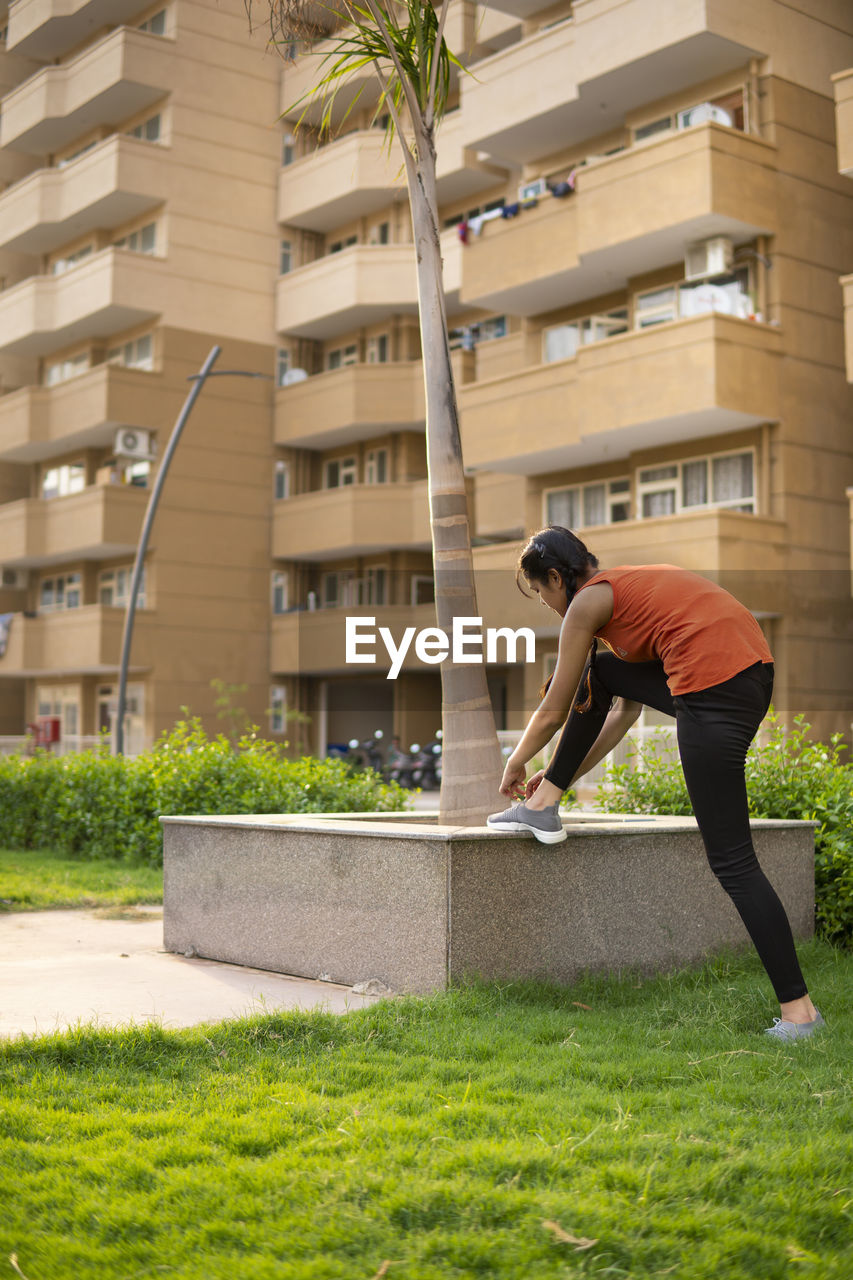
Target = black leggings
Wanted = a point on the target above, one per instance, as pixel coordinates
(715, 727)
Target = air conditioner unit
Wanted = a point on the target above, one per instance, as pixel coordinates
(16, 579)
(131, 442)
(712, 257)
(532, 190)
(294, 375)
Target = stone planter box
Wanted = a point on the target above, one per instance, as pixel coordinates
(418, 906)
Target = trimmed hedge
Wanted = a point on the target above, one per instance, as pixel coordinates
(94, 805)
(787, 776)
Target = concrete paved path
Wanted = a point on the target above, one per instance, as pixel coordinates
(60, 968)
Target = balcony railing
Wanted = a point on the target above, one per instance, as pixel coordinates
(590, 72)
(348, 404)
(116, 181)
(703, 376)
(39, 422)
(344, 291)
(339, 183)
(101, 521)
(352, 520)
(124, 73)
(314, 642)
(84, 641)
(48, 28)
(108, 293)
(630, 213)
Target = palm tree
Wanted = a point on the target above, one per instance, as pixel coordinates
(405, 46)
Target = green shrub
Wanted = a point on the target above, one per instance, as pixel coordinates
(94, 805)
(788, 776)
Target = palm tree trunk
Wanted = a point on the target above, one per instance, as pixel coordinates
(472, 759)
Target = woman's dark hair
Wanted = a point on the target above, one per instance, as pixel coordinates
(558, 548)
(554, 548)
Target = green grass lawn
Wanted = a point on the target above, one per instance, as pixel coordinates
(622, 1127)
(34, 881)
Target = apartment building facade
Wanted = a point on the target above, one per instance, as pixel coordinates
(643, 228)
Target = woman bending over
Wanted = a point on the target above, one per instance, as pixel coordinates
(678, 643)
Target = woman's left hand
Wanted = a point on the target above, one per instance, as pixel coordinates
(512, 783)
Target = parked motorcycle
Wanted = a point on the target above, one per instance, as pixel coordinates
(426, 772)
(366, 754)
(400, 765)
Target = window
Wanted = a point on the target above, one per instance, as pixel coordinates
(721, 480)
(62, 370)
(60, 265)
(341, 356)
(278, 709)
(74, 155)
(561, 341)
(58, 482)
(651, 130)
(422, 589)
(494, 328)
(657, 307)
(285, 257)
(374, 587)
(604, 502)
(148, 131)
(728, 294)
(155, 25)
(377, 349)
(381, 234)
(339, 245)
(282, 479)
(282, 366)
(288, 149)
(376, 467)
(728, 109)
(114, 587)
(279, 592)
(336, 588)
(143, 240)
(136, 474)
(62, 592)
(339, 472)
(136, 354)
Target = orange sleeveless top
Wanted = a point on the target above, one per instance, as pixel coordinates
(700, 632)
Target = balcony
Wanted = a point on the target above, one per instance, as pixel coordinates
(107, 293)
(48, 28)
(124, 73)
(591, 71)
(843, 83)
(116, 181)
(339, 183)
(354, 520)
(631, 213)
(344, 291)
(349, 404)
(83, 413)
(314, 643)
(84, 641)
(704, 376)
(747, 554)
(99, 522)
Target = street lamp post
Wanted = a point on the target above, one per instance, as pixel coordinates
(198, 380)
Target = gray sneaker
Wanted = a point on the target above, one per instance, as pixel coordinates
(794, 1030)
(544, 824)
